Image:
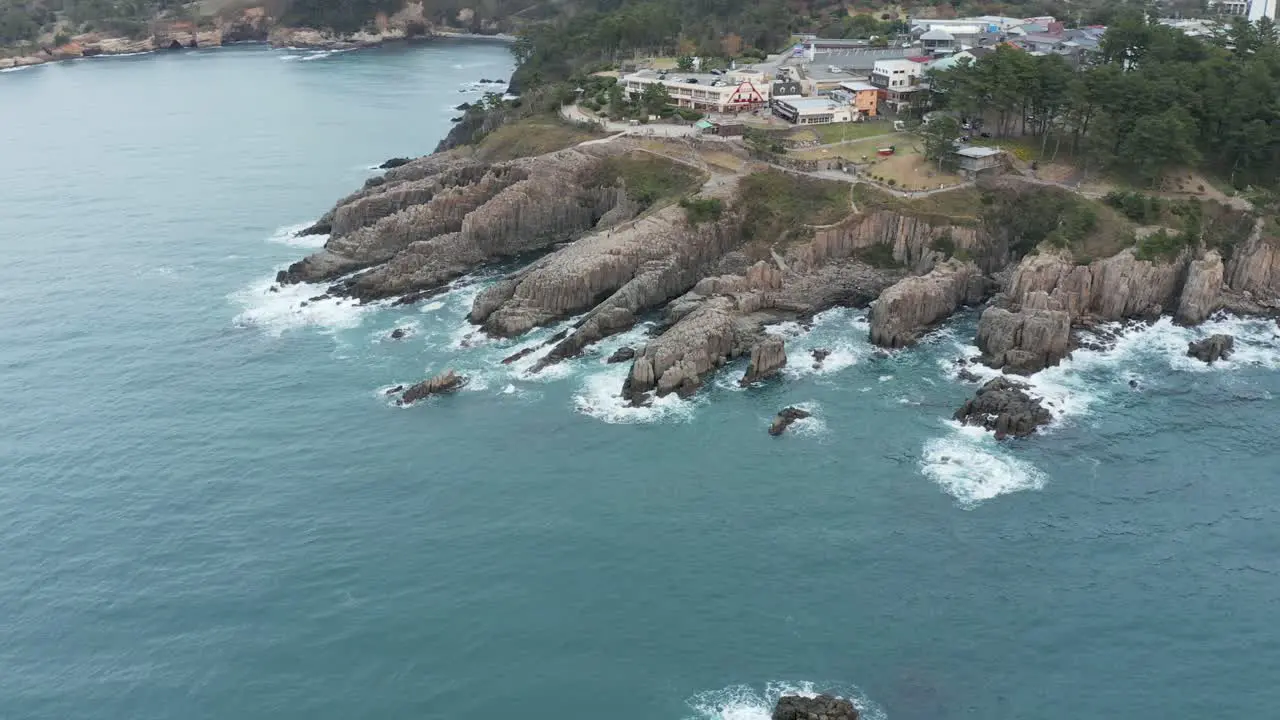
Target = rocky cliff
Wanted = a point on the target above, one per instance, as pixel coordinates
(915, 303)
(601, 241)
(435, 219)
(1030, 326)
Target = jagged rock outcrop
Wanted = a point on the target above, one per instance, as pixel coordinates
(821, 707)
(1255, 264)
(785, 418)
(1212, 348)
(1202, 290)
(621, 355)
(914, 241)
(768, 356)
(1030, 326)
(677, 360)
(1027, 341)
(619, 271)
(394, 162)
(436, 219)
(446, 382)
(913, 304)
(1004, 407)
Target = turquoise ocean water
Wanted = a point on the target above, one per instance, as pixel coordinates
(209, 510)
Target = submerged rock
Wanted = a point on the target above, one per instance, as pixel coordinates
(819, 356)
(446, 382)
(785, 418)
(1212, 348)
(394, 390)
(1004, 407)
(622, 354)
(523, 352)
(394, 163)
(399, 334)
(822, 707)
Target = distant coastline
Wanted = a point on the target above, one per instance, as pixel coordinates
(89, 46)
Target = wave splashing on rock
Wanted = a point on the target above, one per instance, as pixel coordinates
(744, 702)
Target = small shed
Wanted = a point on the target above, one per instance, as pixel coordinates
(975, 159)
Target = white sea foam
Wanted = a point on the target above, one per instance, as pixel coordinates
(600, 397)
(743, 702)
(972, 466)
(812, 426)
(19, 67)
(288, 235)
(1071, 388)
(283, 310)
(432, 306)
(841, 331)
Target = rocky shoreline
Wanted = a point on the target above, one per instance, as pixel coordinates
(607, 255)
(250, 27)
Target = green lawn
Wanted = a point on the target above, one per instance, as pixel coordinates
(837, 132)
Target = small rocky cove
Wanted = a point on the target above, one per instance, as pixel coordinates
(590, 238)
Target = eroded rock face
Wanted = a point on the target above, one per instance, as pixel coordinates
(1255, 264)
(1031, 327)
(913, 304)
(768, 356)
(446, 382)
(1026, 341)
(785, 418)
(1202, 290)
(1212, 348)
(622, 269)
(679, 358)
(822, 707)
(430, 220)
(1004, 407)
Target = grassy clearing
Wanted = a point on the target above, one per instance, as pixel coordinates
(839, 132)
(962, 206)
(781, 207)
(859, 152)
(912, 171)
(648, 178)
(534, 136)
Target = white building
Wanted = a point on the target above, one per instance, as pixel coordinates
(900, 79)
(708, 92)
(812, 111)
(1259, 9)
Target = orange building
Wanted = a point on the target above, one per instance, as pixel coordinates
(866, 97)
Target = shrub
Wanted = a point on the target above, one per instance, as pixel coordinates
(700, 210)
(879, 255)
(892, 182)
(944, 244)
(1162, 245)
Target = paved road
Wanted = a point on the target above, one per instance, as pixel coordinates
(573, 113)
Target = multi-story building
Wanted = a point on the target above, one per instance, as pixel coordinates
(901, 80)
(707, 92)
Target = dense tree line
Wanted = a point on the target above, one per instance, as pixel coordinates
(1153, 99)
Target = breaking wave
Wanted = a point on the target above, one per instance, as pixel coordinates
(291, 307)
(970, 465)
(288, 235)
(744, 702)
